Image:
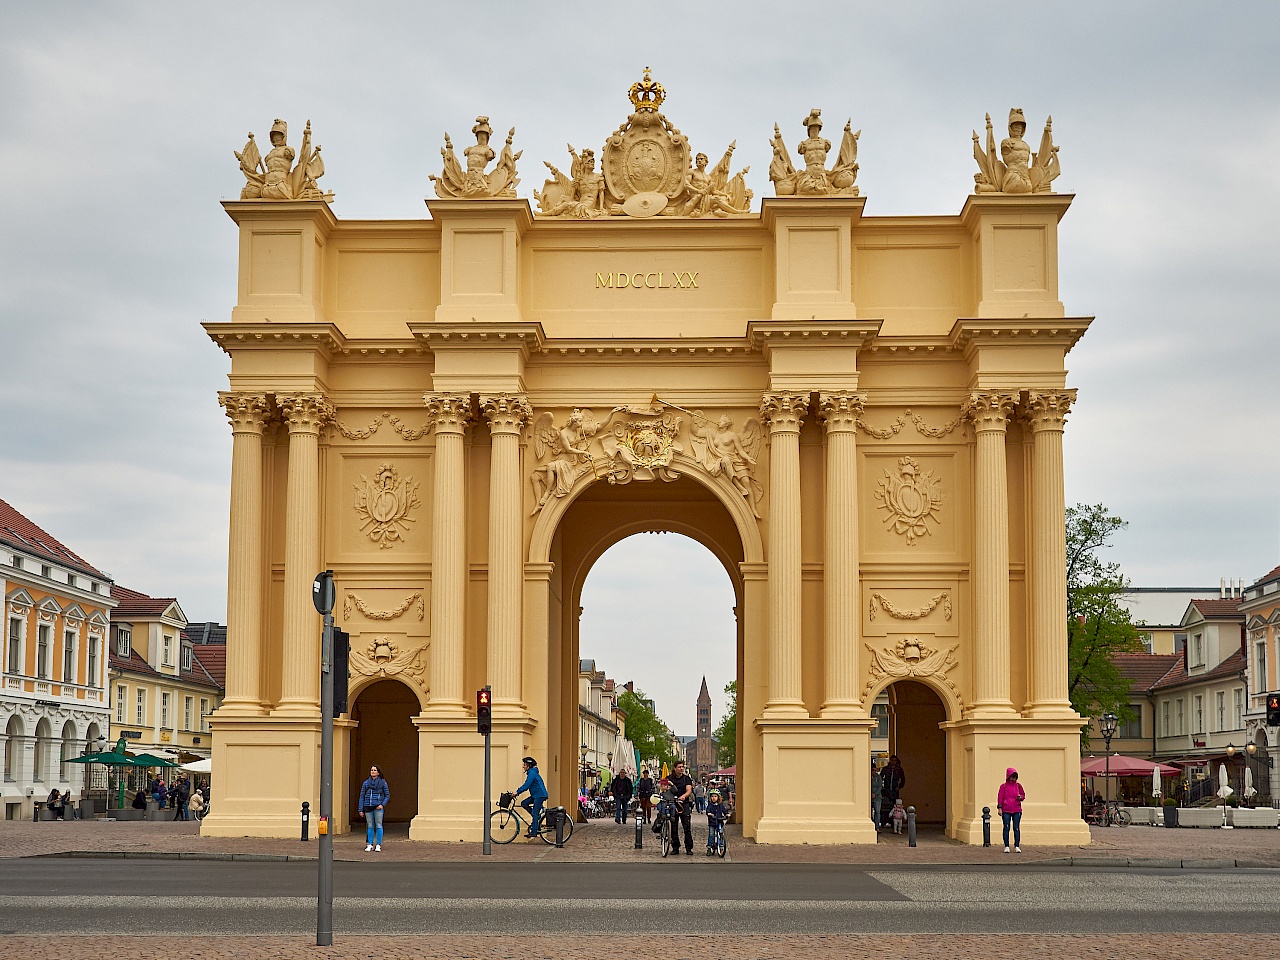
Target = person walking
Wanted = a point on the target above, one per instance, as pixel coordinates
(892, 780)
(537, 795)
(876, 784)
(682, 790)
(644, 790)
(181, 795)
(621, 789)
(700, 795)
(375, 794)
(1009, 803)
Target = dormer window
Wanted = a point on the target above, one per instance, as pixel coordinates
(186, 657)
(46, 571)
(167, 651)
(124, 640)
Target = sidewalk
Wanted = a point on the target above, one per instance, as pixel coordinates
(603, 840)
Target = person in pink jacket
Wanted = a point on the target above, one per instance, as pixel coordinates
(1009, 803)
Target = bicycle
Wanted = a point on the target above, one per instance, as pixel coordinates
(1109, 814)
(507, 822)
(715, 838)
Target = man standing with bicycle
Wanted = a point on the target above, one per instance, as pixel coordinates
(682, 791)
(537, 794)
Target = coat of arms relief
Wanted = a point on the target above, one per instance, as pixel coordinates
(911, 498)
(910, 659)
(383, 505)
(641, 444)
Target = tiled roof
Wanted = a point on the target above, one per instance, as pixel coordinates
(131, 603)
(1269, 575)
(134, 662)
(1218, 608)
(17, 531)
(1178, 676)
(1144, 670)
(205, 631)
(213, 660)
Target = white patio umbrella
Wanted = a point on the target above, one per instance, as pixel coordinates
(1249, 790)
(1155, 780)
(199, 766)
(1224, 789)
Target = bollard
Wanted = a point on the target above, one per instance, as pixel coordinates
(306, 820)
(911, 826)
(559, 814)
(639, 830)
(986, 826)
(35, 812)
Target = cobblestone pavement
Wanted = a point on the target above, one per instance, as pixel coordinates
(604, 840)
(915, 947)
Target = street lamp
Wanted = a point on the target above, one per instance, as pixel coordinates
(1249, 750)
(582, 750)
(1108, 725)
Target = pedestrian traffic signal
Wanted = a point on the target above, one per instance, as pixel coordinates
(1273, 709)
(484, 712)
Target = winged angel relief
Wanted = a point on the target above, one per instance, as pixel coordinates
(724, 451)
(912, 498)
(384, 659)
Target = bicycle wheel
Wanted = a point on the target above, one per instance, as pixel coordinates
(666, 837)
(721, 847)
(504, 826)
(1123, 817)
(548, 831)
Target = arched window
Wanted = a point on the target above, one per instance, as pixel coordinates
(13, 749)
(44, 734)
(68, 751)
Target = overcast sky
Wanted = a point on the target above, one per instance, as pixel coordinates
(117, 123)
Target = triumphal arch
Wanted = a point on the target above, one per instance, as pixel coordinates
(861, 416)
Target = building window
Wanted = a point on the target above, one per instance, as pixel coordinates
(1147, 642)
(186, 713)
(15, 644)
(92, 678)
(120, 695)
(168, 651)
(46, 571)
(204, 713)
(1260, 669)
(1181, 723)
(1197, 650)
(17, 562)
(1164, 717)
(186, 657)
(69, 657)
(164, 710)
(1237, 711)
(1199, 713)
(71, 579)
(880, 714)
(1131, 729)
(1222, 711)
(124, 638)
(141, 718)
(42, 651)
(93, 586)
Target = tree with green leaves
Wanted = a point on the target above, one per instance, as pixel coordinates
(726, 733)
(645, 728)
(1098, 624)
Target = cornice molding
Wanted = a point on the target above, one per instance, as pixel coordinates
(250, 211)
(526, 336)
(971, 334)
(766, 335)
(323, 338)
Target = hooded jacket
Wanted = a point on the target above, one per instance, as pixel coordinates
(1011, 795)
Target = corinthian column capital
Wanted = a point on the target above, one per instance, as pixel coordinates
(305, 412)
(989, 411)
(450, 412)
(784, 412)
(248, 412)
(840, 411)
(1048, 410)
(506, 412)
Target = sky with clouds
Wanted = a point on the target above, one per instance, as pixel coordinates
(117, 123)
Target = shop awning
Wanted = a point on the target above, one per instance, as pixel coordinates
(1124, 766)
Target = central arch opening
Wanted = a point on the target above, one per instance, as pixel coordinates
(659, 610)
(384, 735)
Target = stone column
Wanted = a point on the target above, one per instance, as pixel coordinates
(842, 632)
(990, 415)
(306, 415)
(248, 414)
(1046, 414)
(450, 414)
(507, 415)
(784, 412)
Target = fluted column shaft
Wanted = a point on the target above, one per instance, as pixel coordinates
(451, 414)
(306, 415)
(1046, 413)
(784, 412)
(841, 632)
(990, 415)
(507, 416)
(248, 415)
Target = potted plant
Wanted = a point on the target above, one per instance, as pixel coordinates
(1170, 812)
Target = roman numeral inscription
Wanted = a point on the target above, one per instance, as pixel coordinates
(651, 281)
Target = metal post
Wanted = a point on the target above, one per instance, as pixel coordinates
(986, 826)
(559, 814)
(487, 847)
(306, 820)
(911, 826)
(324, 909)
(639, 829)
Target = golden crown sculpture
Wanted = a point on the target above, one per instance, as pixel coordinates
(647, 94)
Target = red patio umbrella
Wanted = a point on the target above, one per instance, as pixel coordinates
(1124, 766)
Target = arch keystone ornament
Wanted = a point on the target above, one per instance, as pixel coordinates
(912, 498)
(912, 659)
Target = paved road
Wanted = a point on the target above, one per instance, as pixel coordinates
(133, 897)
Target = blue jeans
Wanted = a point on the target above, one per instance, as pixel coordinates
(534, 806)
(1016, 820)
(373, 830)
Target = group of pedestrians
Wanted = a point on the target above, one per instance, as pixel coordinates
(60, 805)
(887, 809)
(187, 800)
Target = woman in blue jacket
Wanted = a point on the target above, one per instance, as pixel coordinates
(537, 794)
(374, 797)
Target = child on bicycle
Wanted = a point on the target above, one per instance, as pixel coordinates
(717, 817)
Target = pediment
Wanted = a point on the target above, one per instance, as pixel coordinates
(19, 598)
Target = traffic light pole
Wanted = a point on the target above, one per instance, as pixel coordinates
(487, 849)
(324, 908)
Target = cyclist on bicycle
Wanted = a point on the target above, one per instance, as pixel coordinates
(682, 809)
(717, 816)
(537, 794)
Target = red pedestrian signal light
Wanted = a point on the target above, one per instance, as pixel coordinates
(484, 711)
(1273, 709)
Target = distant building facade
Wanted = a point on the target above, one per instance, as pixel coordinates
(1260, 606)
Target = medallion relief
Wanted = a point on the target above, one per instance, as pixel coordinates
(383, 658)
(911, 498)
(909, 659)
(383, 505)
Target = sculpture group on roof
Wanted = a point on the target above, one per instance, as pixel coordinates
(647, 168)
